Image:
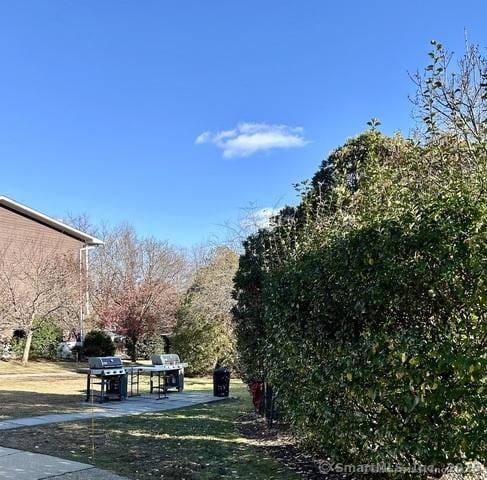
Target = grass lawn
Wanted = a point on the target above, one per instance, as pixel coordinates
(22, 394)
(200, 442)
(36, 366)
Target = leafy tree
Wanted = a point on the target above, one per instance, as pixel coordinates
(46, 338)
(203, 335)
(147, 345)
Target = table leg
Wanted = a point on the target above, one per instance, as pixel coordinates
(102, 389)
(159, 386)
(164, 385)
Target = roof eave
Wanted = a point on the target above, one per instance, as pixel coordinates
(56, 224)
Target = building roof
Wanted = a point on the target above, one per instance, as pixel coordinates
(50, 222)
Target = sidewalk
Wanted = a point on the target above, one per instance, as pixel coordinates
(20, 465)
(131, 406)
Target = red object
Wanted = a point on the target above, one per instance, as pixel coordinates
(257, 391)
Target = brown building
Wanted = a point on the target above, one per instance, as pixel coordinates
(21, 225)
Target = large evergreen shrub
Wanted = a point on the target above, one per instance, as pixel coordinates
(365, 305)
(147, 345)
(204, 335)
(98, 343)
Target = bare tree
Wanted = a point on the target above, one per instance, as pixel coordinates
(37, 282)
(452, 100)
(136, 284)
(81, 222)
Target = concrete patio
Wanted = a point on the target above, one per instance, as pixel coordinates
(131, 406)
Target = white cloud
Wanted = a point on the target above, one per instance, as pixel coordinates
(256, 219)
(264, 215)
(249, 138)
(203, 138)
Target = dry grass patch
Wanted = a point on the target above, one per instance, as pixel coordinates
(23, 393)
(36, 367)
(31, 396)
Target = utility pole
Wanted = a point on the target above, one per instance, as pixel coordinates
(84, 288)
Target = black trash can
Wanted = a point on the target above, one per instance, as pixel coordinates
(221, 382)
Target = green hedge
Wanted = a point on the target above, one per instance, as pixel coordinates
(365, 306)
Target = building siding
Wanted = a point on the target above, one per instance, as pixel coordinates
(18, 232)
(15, 229)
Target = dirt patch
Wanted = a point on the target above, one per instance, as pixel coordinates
(278, 443)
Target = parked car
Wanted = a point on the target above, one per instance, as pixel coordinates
(65, 350)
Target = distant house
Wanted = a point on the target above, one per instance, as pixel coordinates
(20, 225)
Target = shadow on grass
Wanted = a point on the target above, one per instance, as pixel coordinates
(20, 403)
(199, 442)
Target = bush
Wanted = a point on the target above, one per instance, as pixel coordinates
(45, 340)
(204, 334)
(203, 343)
(146, 346)
(17, 347)
(98, 343)
(405, 352)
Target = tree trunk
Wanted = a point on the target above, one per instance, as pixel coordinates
(133, 349)
(28, 343)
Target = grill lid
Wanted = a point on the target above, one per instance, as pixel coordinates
(167, 359)
(105, 362)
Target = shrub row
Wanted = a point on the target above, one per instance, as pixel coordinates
(365, 306)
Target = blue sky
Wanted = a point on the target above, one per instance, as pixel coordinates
(102, 102)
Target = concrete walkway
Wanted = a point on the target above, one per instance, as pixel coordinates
(20, 465)
(131, 406)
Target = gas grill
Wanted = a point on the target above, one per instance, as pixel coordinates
(168, 360)
(113, 379)
(109, 374)
(170, 370)
(106, 366)
(166, 372)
